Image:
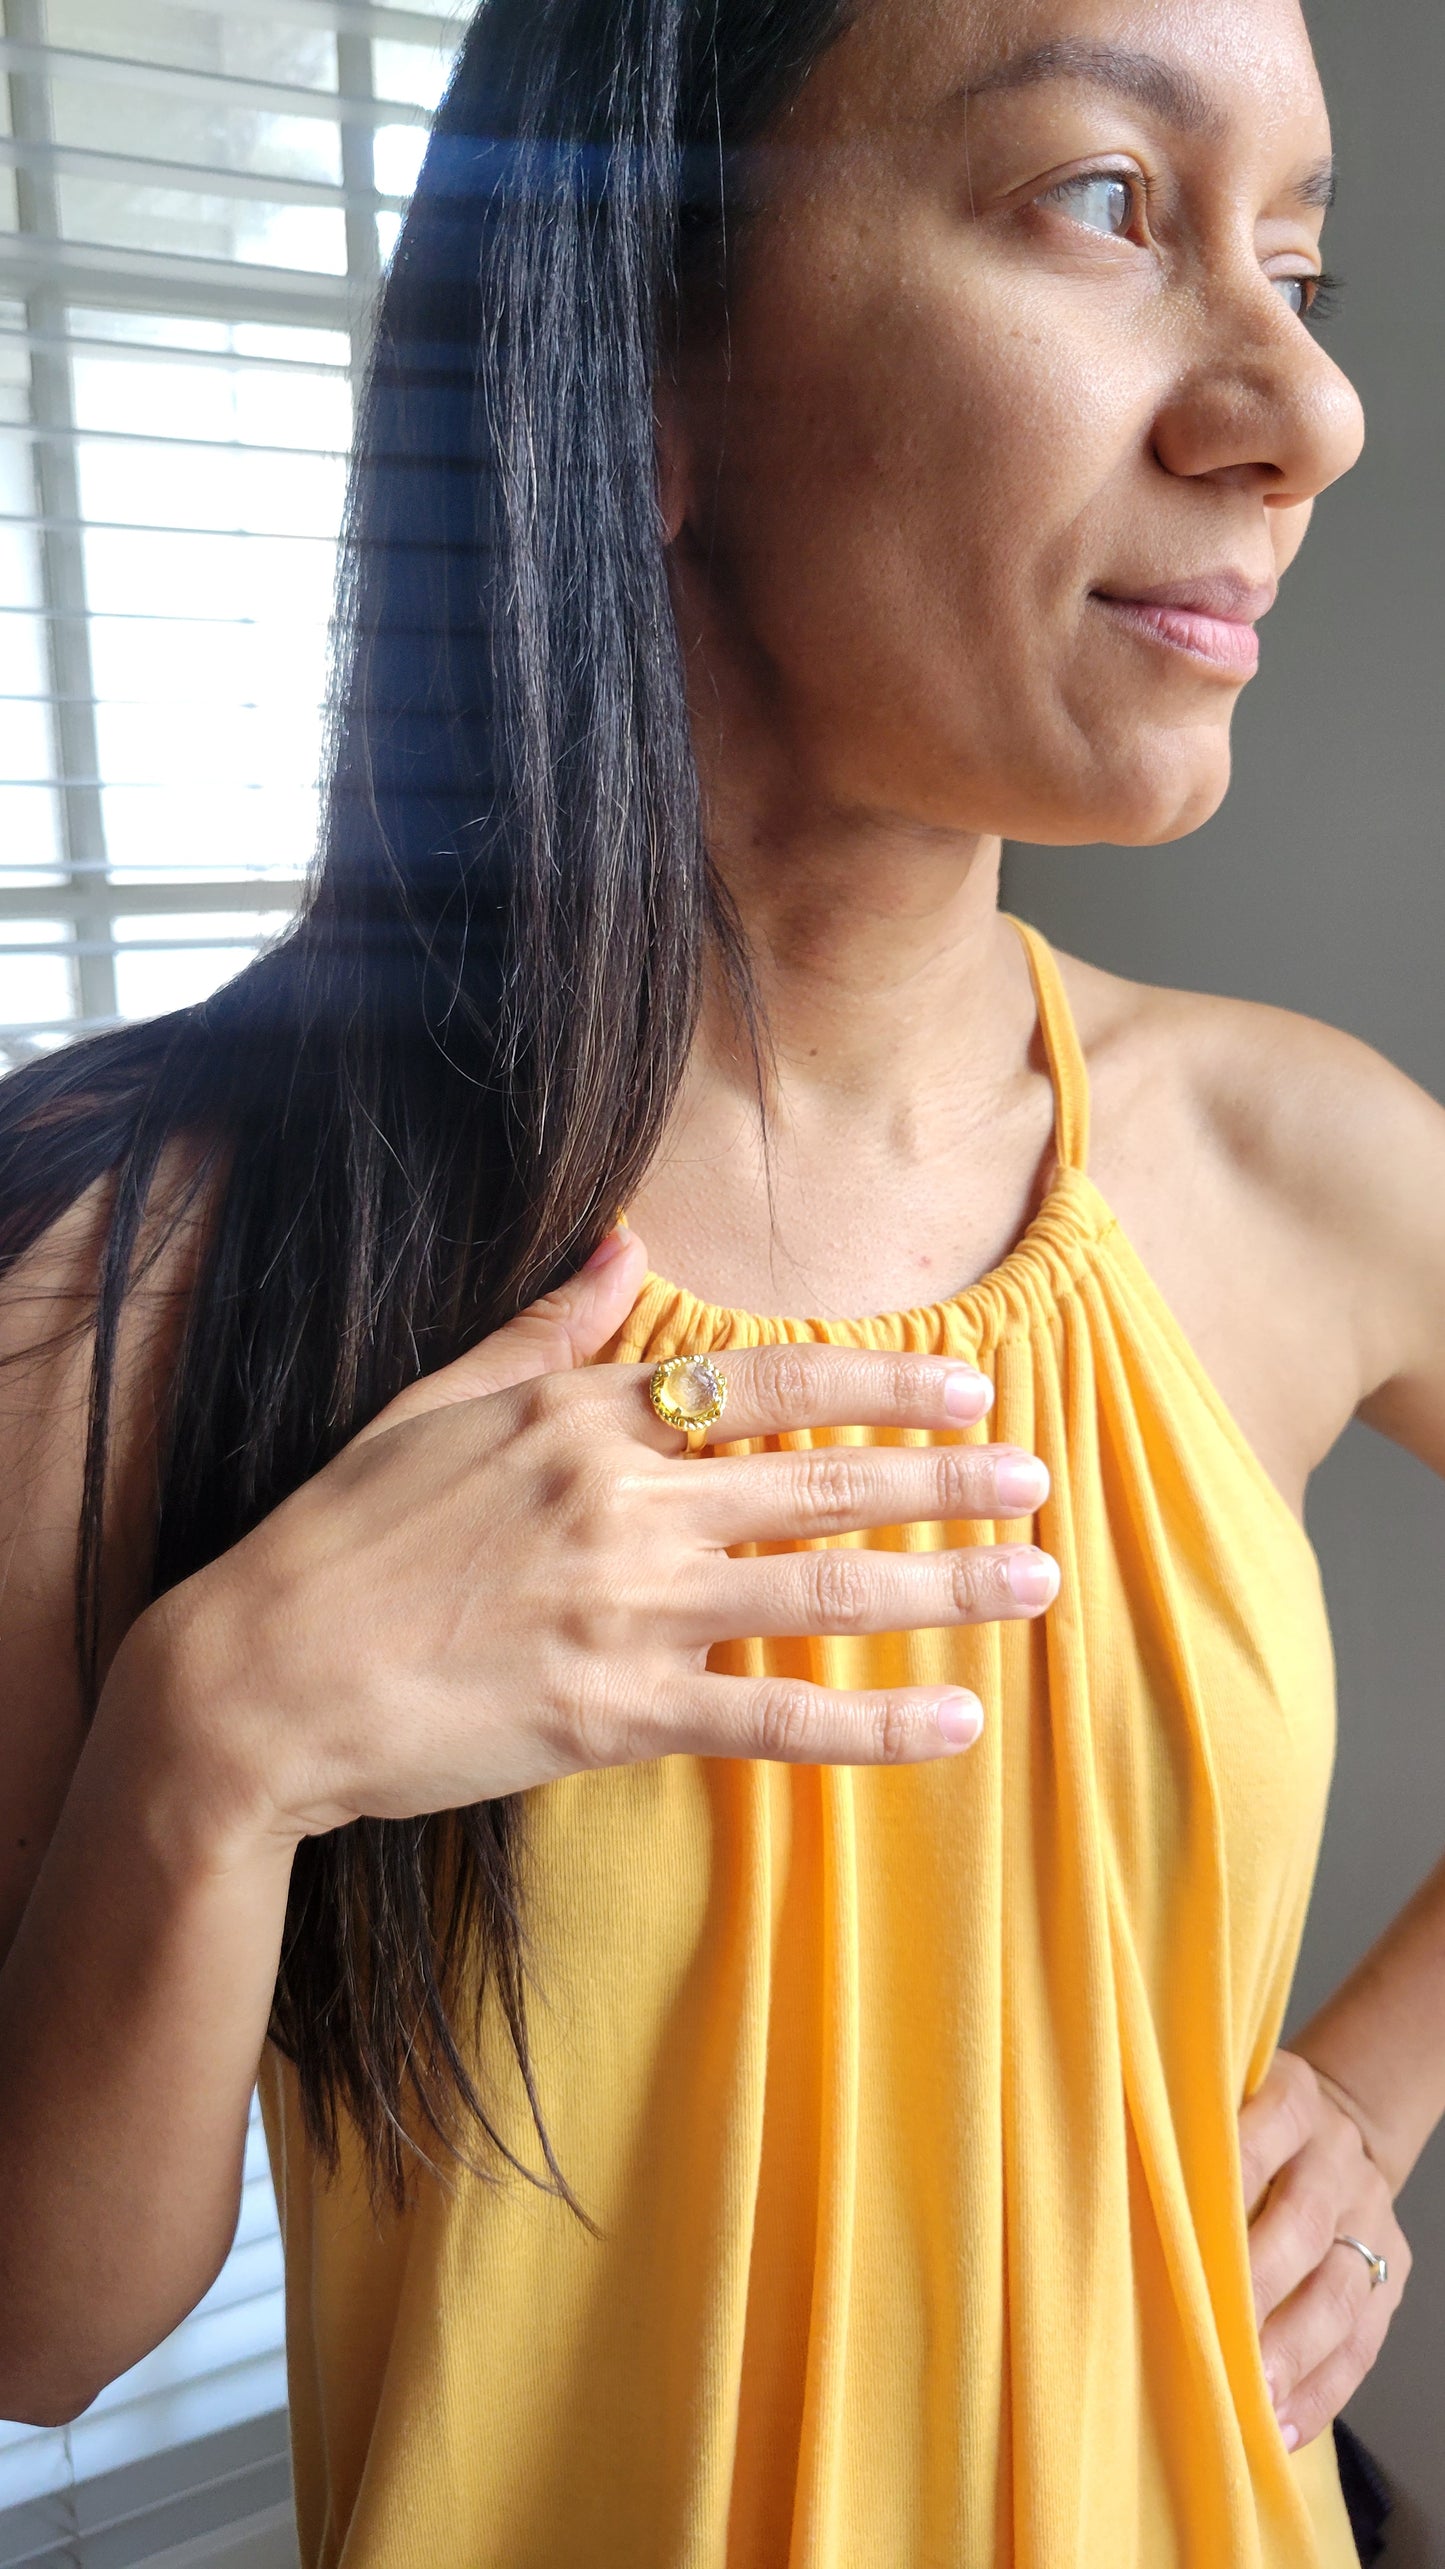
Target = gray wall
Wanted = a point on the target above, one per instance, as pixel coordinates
(1321, 886)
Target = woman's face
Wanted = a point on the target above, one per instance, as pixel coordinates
(1016, 335)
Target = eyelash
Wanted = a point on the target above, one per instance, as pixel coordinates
(1326, 286)
(1328, 290)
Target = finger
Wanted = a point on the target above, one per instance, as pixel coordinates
(564, 1328)
(1319, 2398)
(855, 1591)
(774, 1390)
(1315, 2321)
(802, 1725)
(555, 1334)
(1276, 2122)
(842, 1489)
(1296, 2229)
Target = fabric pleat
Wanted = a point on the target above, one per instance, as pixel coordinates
(906, 2101)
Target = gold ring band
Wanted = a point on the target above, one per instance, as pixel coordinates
(689, 1393)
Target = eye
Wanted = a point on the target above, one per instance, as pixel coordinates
(1104, 200)
(1309, 297)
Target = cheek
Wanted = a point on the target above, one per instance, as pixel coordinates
(921, 477)
(906, 507)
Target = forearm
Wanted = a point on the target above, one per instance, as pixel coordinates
(1381, 2036)
(133, 2009)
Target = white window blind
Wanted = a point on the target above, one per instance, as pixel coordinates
(197, 198)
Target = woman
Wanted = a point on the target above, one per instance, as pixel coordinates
(806, 444)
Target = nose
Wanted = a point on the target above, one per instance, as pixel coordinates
(1258, 403)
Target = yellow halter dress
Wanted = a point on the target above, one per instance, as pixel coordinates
(905, 2101)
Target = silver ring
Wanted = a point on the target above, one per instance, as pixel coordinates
(1379, 2270)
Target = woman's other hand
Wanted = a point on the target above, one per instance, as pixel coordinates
(1308, 2178)
(516, 1571)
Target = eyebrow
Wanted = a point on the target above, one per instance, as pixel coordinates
(1171, 92)
(1319, 186)
(1163, 87)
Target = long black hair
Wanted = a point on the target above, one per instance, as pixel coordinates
(422, 1107)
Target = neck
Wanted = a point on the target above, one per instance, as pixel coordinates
(905, 1119)
(881, 967)
(880, 964)
(905, 1113)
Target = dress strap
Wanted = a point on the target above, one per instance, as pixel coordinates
(1062, 1046)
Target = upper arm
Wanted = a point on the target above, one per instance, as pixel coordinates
(45, 1357)
(1354, 1150)
(1400, 1153)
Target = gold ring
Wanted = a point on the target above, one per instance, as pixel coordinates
(1379, 2266)
(688, 1392)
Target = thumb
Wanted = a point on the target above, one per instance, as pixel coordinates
(560, 1330)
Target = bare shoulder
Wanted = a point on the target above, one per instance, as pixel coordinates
(1295, 1105)
(1298, 1170)
(46, 1348)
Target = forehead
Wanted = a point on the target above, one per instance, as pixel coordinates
(1235, 64)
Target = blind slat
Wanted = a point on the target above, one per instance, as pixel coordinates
(183, 80)
(82, 160)
(166, 352)
(140, 615)
(135, 945)
(135, 900)
(154, 526)
(96, 272)
(29, 434)
(432, 27)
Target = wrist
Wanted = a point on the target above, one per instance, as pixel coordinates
(1376, 2036)
(173, 1725)
(1379, 2147)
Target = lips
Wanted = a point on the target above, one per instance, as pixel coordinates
(1210, 617)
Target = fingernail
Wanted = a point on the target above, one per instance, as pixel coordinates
(960, 1718)
(1290, 2435)
(606, 1250)
(967, 1393)
(1021, 1481)
(1034, 1578)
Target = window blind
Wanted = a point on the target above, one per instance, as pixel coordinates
(197, 199)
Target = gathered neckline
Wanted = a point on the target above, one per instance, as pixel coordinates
(1070, 1220)
(1050, 1251)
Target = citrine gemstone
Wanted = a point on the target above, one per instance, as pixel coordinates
(687, 1392)
(692, 1388)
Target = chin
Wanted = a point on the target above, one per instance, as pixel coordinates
(1160, 793)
